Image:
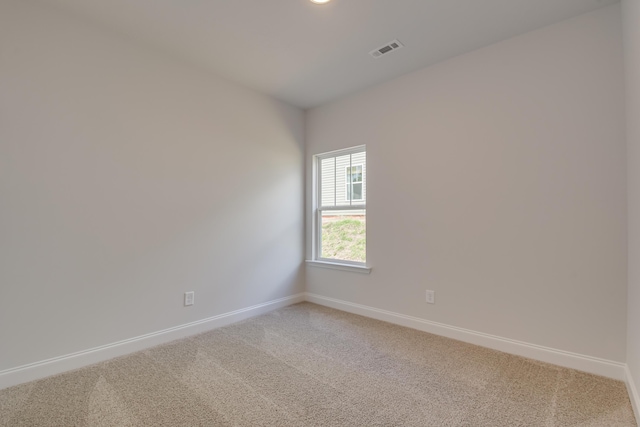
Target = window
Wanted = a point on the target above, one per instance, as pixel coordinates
(354, 182)
(340, 207)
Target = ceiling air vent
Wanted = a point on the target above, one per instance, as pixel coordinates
(389, 47)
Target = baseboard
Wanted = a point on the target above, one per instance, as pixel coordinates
(56, 365)
(633, 394)
(606, 368)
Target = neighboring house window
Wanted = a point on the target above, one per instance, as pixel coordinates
(354, 182)
(340, 209)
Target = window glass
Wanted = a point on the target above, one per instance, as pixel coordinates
(340, 216)
(354, 182)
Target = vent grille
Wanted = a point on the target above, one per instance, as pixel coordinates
(387, 48)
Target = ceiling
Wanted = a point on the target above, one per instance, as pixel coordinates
(307, 54)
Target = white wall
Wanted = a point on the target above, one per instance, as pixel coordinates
(128, 178)
(631, 23)
(497, 179)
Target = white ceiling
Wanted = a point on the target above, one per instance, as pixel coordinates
(308, 54)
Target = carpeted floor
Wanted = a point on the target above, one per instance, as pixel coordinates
(307, 365)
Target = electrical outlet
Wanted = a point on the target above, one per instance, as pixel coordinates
(431, 297)
(189, 298)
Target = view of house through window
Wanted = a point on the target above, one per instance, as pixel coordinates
(341, 212)
(354, 182)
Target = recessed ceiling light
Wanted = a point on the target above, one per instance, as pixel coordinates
(320, 1)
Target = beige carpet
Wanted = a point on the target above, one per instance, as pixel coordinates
(307, 365)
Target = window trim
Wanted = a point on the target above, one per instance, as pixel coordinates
(363, 269)
(317, 209)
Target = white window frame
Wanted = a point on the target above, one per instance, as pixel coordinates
(347, 183)
(318, 209)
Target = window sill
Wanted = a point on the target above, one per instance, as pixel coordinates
(339, 266)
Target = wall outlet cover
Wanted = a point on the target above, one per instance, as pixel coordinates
(431, 297)
(189, 298)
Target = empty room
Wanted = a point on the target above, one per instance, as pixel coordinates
(320, 213)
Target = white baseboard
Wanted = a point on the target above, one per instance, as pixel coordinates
(633, 394)
(56, 365)
(594, 365)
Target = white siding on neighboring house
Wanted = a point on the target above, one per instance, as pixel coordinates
(335, 172)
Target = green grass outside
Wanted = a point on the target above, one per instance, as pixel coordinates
(344, 239)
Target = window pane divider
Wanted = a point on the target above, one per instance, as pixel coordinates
(343, 208)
